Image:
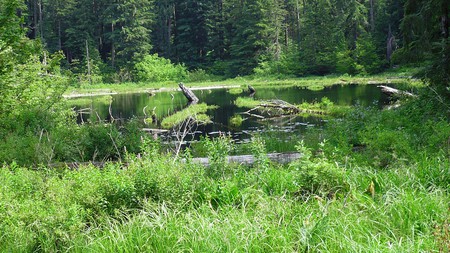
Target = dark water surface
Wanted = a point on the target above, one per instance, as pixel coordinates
(127, 106)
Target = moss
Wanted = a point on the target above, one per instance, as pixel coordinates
(246, 102)
(235, 91)
(236, 120)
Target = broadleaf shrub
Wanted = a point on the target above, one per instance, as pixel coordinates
(153, 68)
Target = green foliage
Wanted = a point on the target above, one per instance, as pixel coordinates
(200, 75)
(345, 64)
(217, 151)
(156, 69)
(258, 148)
(287, 64)
(236, 120)
(366, 56)
(383, 138)
(246, 102)
(318, 176)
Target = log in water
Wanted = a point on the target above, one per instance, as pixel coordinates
(250, 159)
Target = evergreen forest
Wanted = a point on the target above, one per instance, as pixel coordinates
(233, 38)
(366, 178)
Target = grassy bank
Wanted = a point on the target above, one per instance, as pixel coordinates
(401, 76)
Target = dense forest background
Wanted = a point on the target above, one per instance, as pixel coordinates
(109, 39)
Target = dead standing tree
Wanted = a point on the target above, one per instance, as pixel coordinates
(192, 98)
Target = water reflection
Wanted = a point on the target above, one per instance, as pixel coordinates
(141, 105)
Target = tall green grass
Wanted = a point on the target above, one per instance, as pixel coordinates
(156, 203)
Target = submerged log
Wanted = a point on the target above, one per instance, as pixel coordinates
(392, 91)
(250, 159)
(188, 93)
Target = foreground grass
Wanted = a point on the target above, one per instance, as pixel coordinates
(158, 204)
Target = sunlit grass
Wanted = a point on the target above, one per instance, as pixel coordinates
(157, 205)
(197, 111)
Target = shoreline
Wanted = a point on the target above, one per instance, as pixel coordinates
(313, 83)
(144, 90)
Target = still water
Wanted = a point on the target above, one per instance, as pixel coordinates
(128, 106)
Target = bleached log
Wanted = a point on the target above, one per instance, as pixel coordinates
(392, 91)
(250, 159)
(155, 131)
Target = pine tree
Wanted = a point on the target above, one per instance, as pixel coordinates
(191, 34)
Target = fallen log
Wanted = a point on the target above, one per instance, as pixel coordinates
(281, 158)
(282, 105)
(188, 93)
(250, 159)
(155, 131)
(392, 91)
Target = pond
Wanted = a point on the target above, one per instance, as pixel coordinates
(124, 107)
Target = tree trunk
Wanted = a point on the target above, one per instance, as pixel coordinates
(35, 20)
(444, 20)
(113, 49)
(389, 45)
(298, 22)
(59, 35)
(41, 22)
(372, 14)
(88, 62)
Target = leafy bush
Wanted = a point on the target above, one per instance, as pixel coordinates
(157, 69)
(217, 150)
(318, 176)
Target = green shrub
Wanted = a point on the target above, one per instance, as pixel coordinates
(318, 176)
(217, 150)
(157, 69)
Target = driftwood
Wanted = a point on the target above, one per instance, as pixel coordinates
(188, 93)
(394, 92)
(155, 131)
(250, 159)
